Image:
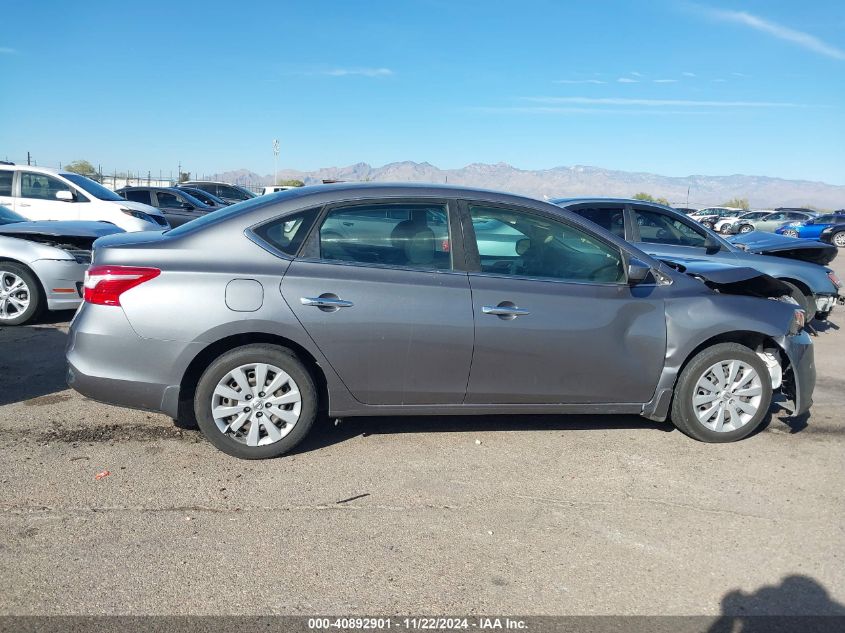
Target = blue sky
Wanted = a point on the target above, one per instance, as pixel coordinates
(663, 86)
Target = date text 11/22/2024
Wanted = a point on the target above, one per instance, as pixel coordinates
(417, 623)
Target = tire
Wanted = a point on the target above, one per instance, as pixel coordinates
(252, 437)
(746, 228)
(805, 302)
(838, 239)
(685, 414)
(709, 225)
(21, 278)
(790, 233)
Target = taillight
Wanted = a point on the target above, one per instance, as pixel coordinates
(833, 278)
(105, 284)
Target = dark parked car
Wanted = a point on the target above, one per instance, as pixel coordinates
(178, 206)
(206, 198)
(834, 234)
(223, 190)
(474, 302)
(669, 235)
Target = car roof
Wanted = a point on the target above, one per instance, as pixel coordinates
(39, 170)
(563, 202)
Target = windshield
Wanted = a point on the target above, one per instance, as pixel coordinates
(7, 216)
(95, 189)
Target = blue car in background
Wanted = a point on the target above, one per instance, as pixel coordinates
(812, 228)
(668, 235)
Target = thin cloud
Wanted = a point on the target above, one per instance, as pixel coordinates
(781, 32)
(362, 72)
(579, 81)
(627, 80)
(719, 81)
(575, 110)
(741, 75)
(665, 81)
(636, 74)
(688, 74)
(4, 50)
(659, 103)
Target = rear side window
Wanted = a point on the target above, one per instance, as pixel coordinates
(609, 218)
(232, 193)
(137, 196)
(657, 228)
(286, 234)
(6, 182)
(409, 235)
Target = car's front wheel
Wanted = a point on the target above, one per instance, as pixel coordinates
(746, 228)
(708, 224)
(722, 395)
(21, 297)
(256, 401)
(790, 233)
(838, 239)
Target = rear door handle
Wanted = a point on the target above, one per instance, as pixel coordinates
(505, 310)
(325, 302)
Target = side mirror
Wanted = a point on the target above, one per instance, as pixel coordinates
(637, 271)
(711, 245)
(187, 206)
(64, 195)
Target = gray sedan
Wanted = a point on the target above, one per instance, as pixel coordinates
(363, 300)
(42, 264)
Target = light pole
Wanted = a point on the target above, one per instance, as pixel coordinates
(275, 161)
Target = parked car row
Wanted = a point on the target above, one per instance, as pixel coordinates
(792, 222)
(454, 300)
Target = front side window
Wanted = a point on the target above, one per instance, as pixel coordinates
(657, 228)
(233, 193)
(40, 186)
(523, 244)
(168, 200)
(412, 235)
(609, 218)
(775, 216)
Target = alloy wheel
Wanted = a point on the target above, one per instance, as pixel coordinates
(790, 233)
(727, 396)
(14, 295)
(839, 239)
(746, 228)
(256, 404)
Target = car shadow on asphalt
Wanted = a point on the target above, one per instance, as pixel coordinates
(33, 361)
(328, 433)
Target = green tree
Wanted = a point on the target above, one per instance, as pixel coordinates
(292, 183)
(82, 167)
(740, 203)
(184, 176)
(647, 197)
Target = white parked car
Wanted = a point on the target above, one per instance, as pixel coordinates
(40, 193)
(275, 189)
(739, 224)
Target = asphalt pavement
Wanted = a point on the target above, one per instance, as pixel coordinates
(526, 515)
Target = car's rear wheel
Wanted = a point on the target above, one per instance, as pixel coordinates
(21, 297)
(256, 401)
(838, 239)
(746, 228)
(722, 395)
(790, 233)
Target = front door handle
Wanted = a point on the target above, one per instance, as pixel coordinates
(505, 310)
(23, 204)
(326, 302)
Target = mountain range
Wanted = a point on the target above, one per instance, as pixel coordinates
(578, 180)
